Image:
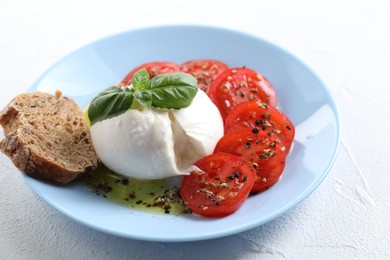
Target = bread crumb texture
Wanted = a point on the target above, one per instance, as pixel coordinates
(47, 137)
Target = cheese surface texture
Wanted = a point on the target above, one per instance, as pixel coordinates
(158, 143)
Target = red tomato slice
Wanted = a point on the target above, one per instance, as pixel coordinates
(252, 114)
(205, 71)
(220, 188)
(266, 154)
(236, 85)
(154, 68)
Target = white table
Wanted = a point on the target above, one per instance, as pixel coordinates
(346, 42)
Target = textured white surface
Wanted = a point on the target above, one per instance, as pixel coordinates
(346, 42)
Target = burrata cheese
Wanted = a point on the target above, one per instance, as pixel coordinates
(158, 143)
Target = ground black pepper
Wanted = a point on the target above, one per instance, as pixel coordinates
(255, 130)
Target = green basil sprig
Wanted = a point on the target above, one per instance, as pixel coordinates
(109, 103)
(174, 90)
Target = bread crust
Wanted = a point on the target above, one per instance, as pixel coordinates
(28, 156)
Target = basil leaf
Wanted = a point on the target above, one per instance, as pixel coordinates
(140, 80)
(142, 99)
(109, 103)
(174, 90)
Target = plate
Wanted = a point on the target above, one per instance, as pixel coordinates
(301, 94)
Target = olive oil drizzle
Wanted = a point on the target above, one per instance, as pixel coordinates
(155, 196)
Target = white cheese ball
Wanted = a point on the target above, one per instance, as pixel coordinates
(157, 143)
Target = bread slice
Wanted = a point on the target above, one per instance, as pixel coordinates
(47, 137)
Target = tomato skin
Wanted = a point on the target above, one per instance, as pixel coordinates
(265, 153)
(154, 68)
(204, 70)
(252, 114)
(236, 85)
(221, 188)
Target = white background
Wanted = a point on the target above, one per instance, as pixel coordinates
(346, 42)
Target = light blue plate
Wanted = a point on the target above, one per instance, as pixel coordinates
(301, 94)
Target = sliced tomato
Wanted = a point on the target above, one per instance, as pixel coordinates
(154, 68)
(220, 188)
(204, 70)
(236, 85)
(253, 114)
(265, 153)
